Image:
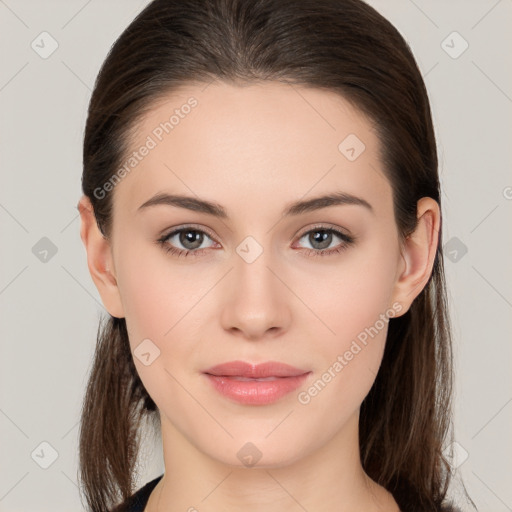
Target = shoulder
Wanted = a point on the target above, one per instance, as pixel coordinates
(137, 502)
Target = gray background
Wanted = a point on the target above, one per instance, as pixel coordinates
(50, 308)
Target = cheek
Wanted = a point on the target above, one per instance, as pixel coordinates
(352, 294)
(155, 291)
(354, 303)
(157, 297)
(162, 303)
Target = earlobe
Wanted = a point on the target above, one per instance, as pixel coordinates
(99, 259)
(418, 253)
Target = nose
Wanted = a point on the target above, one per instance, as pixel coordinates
(256, 301)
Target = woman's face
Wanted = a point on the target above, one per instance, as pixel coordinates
(260, 283)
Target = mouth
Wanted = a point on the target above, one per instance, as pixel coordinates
(248, 379)
(252, 384)
(255, 371)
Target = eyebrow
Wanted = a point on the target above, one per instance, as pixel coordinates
(215, 209)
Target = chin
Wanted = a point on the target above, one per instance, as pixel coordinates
(257, 454)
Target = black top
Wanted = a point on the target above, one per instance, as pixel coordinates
(138, 501)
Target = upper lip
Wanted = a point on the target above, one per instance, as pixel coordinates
(256, 371)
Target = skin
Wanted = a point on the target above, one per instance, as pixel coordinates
(254, 150)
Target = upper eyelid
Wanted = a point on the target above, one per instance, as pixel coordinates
(326, 227)
(192, 227)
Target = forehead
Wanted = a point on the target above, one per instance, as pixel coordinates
(251, 145)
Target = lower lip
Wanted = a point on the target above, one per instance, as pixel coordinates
(256, 392)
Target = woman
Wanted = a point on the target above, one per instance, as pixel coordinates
(228, 144)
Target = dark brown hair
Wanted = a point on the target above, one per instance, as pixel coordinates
(343, 46)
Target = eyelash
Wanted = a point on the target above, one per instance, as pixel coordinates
(347, 241)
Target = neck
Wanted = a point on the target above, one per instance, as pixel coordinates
(329, 479)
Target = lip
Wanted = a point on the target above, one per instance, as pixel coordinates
(255, 371)
(242, 382)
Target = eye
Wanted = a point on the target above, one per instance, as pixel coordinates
(192, 240)
(321, 237)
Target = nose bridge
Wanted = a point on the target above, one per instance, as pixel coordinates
(252, 265)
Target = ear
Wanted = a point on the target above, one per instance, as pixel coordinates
(99, 259)
(418, 254)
